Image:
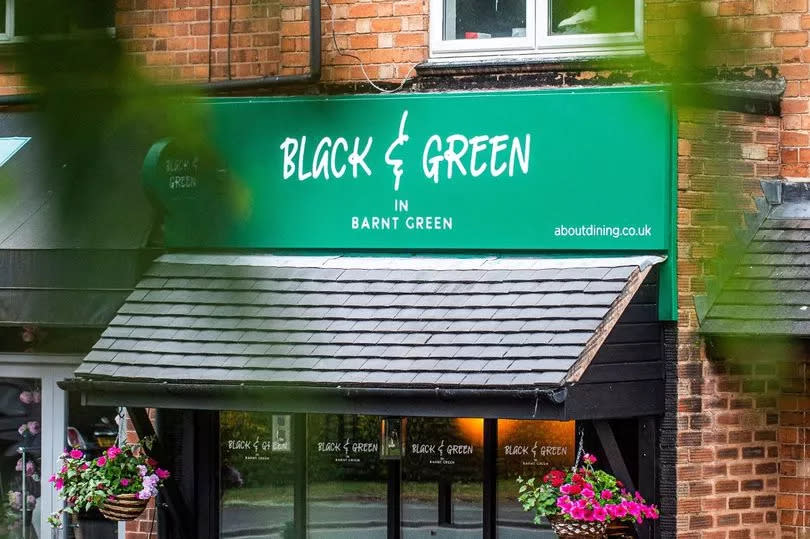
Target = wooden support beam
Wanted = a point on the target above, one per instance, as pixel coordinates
(617, 464)
(299, 445)
(171, 492)
(490, 478)
(394, 499)
(648, 467)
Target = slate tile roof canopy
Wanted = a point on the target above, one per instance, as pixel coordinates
(768, 291)
(360, 321)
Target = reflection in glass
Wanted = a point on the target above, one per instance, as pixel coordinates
(20, 460)
(591, 16)
(442, 478)
(257, 481)
(92, 429)
(347, 479)
(484, 19)
(528, 448)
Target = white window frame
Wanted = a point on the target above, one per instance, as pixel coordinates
(9, 17)
(9, 36)
(538, 42)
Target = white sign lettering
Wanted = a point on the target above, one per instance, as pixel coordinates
(443, 158)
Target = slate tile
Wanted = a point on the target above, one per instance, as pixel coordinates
(450, 379)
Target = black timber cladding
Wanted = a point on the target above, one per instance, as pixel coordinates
(768, 291)
(373, 322)
(633, 350)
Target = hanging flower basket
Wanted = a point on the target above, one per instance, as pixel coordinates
(119, 483)
(581, 502)
(123, 507)
(576, 529)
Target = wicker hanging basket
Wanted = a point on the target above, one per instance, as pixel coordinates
(574, 529)
(123, 507)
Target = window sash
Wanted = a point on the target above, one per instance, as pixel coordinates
(9, 15)
(10, 35)
(538, 39)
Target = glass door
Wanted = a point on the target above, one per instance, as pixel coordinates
(442, 478)
(20, 457)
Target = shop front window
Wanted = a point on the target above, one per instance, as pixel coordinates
(257, 475)
(528, 448)
(347, 480)
(91, 429)
(442, 478)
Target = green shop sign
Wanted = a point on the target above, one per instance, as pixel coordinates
(576, 170)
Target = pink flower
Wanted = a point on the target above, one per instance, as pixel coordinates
(606, 494)
(564, 503)
(161, 473)
(18, 467)
(651, 512)
(84, 466)
(59, 483)
(76, 454)
(587, 457)
(37, 397)
(600, 513)
(101, 461)
(51, 479)
(125, 482)
(26, 397)
(588, 493)
(568, 488)
(578, 513)
(111, 497)
(30, 469)
(33, 426)
(619, 511)
(113, 452)
(22, 428)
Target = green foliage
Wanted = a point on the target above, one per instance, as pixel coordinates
(584, 494)
(86, 483)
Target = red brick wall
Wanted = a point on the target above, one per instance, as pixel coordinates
(727, 464)
(145, 526)
(170, 39)
(794, 471)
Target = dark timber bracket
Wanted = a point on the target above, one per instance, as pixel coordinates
(618, 465)
(174, 500)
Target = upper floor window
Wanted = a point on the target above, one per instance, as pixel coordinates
(24, 18)
(479, 28)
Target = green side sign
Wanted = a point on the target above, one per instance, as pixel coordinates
(543, 171)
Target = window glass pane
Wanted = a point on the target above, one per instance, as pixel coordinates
(442, 478)
(92, 429)
(93, 14)
(528, 448)
(484, 19)
(2, 16)
(20, 453)
(32, 18)
(347, 480)
(591, 16)
(257, 474)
